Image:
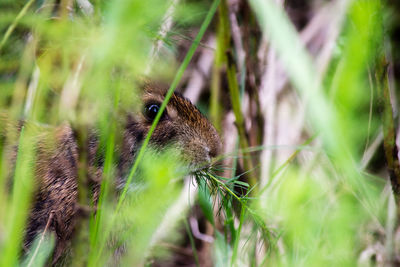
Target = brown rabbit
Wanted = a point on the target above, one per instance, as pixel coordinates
(56, 203)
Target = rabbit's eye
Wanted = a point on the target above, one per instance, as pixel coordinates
(150, 111)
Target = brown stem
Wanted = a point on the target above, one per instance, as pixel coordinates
(389, 139)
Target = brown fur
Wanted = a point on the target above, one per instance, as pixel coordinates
(57, 167)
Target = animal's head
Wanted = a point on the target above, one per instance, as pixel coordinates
(181, 125)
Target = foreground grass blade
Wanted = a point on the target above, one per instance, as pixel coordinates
(21, 198)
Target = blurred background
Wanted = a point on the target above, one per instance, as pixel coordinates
(302, 92)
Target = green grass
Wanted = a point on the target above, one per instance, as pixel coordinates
(316, 207)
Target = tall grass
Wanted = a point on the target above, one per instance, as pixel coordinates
(80, 62)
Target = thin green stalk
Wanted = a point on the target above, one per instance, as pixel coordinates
(104, 189)
(239, 230)
(215, 95)
(103, 195)
(196, 258)
(21, 193)
(15, 22)
(235, 100)
(219, 63)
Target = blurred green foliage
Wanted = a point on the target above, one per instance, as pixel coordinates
(59, 64)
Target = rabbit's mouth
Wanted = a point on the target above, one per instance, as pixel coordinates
(205, 167)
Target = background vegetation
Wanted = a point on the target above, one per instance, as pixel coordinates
(302, 92)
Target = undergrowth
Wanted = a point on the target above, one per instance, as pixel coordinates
(302, 106)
